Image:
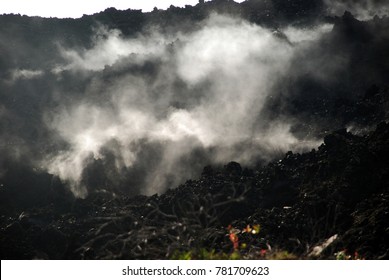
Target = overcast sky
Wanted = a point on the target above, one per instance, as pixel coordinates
(76, 8)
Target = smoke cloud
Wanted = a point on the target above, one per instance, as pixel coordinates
(192, 99)
(145, 112)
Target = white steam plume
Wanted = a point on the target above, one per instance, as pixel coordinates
(227, 69)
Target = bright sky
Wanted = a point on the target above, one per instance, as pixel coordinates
(76, 8)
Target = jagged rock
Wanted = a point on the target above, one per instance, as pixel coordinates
(14, 229)
(233, 168)
(296, 201)
(207, 171)
(299, 201)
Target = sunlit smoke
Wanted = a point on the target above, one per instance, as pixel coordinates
(228, 68)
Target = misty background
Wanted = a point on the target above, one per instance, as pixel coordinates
(134, 102)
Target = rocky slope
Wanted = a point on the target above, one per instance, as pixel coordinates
(331, 202)
(298, 201)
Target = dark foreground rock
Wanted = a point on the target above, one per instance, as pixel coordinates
(337, 193)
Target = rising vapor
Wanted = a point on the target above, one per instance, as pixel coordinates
(122, 132)
(191, 99)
